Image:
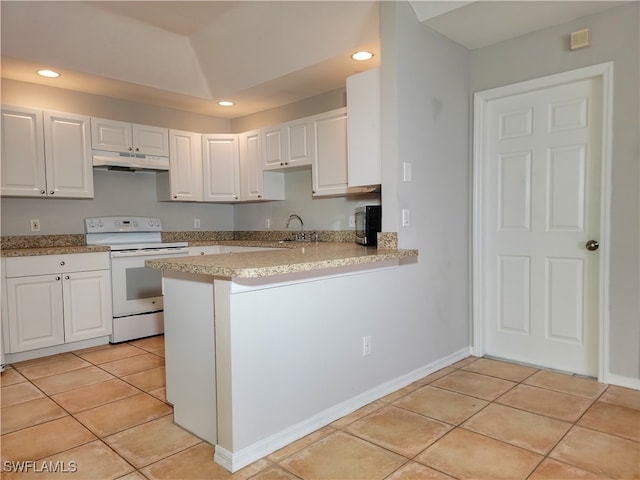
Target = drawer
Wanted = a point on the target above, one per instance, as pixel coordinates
(50, 264)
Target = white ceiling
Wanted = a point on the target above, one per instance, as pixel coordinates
(190, 54)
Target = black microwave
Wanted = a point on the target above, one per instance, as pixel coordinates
(368, 223)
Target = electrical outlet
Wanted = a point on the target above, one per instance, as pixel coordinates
(366, 346)
(352, 220)
(196, 223)
(35, 224)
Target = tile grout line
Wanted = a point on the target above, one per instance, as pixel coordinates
(71, 415)
(343, 428)
(118, 377)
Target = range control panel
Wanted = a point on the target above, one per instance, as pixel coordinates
(122, 224)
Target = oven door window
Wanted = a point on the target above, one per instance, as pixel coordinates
(143, 282)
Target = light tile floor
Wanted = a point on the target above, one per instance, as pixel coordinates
(103, 412)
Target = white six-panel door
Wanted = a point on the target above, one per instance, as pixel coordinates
(541, 177)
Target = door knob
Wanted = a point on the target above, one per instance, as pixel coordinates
(592, 245)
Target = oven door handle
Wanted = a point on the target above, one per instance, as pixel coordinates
(149, 252)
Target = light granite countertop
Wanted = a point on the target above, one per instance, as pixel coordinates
(305, 257)
(53, 250)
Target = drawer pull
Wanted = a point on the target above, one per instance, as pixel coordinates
(63, 262)
(58, 278)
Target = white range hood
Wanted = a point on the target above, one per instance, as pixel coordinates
(126, 161)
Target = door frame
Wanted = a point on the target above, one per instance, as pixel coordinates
(481, 100)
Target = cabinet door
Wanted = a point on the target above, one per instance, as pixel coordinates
(87, 305)
(274, 147)
(150, 140)
(300, 140)
(68, 155)
(363, 122)
(23, 168)
(35, 312)
(251, 166)
(221, 165)
(287, 145)
(329, 172)
(111, 135)
(185, 166)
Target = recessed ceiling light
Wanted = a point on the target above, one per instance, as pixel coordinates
(48, 73)
(225, 103)
(360, 56)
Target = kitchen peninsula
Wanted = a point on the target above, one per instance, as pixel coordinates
(264, 347)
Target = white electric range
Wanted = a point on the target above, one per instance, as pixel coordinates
(136, 289)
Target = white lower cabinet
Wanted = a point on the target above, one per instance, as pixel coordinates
(57, 299)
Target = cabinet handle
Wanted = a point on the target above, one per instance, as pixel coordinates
(51, 192)
(66, 277)
(63, 262)
(286, 163)
(201, 253)
(281, 164)
(42, 192)
(58, 277)
(175, 196)
(259, 196)
(137, 149)
(130, 149)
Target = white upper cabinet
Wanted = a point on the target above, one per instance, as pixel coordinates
(114, 136)
(274, 147)
(287, 145)
(183, 182)
(251, 165)
(45, 153)
(221, 168)
(329, 171)
(257, 184)
(363, 126)
(23, 167)
(67, 153)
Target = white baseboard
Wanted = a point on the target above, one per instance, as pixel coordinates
(55, 350)
(622, 381)
(233, 461)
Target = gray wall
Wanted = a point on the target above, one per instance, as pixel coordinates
(615, 37)
(425, 121)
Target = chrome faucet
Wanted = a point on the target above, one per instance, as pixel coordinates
(294, 216)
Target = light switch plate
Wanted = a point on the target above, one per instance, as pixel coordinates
(406, 171)
(405, 217)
